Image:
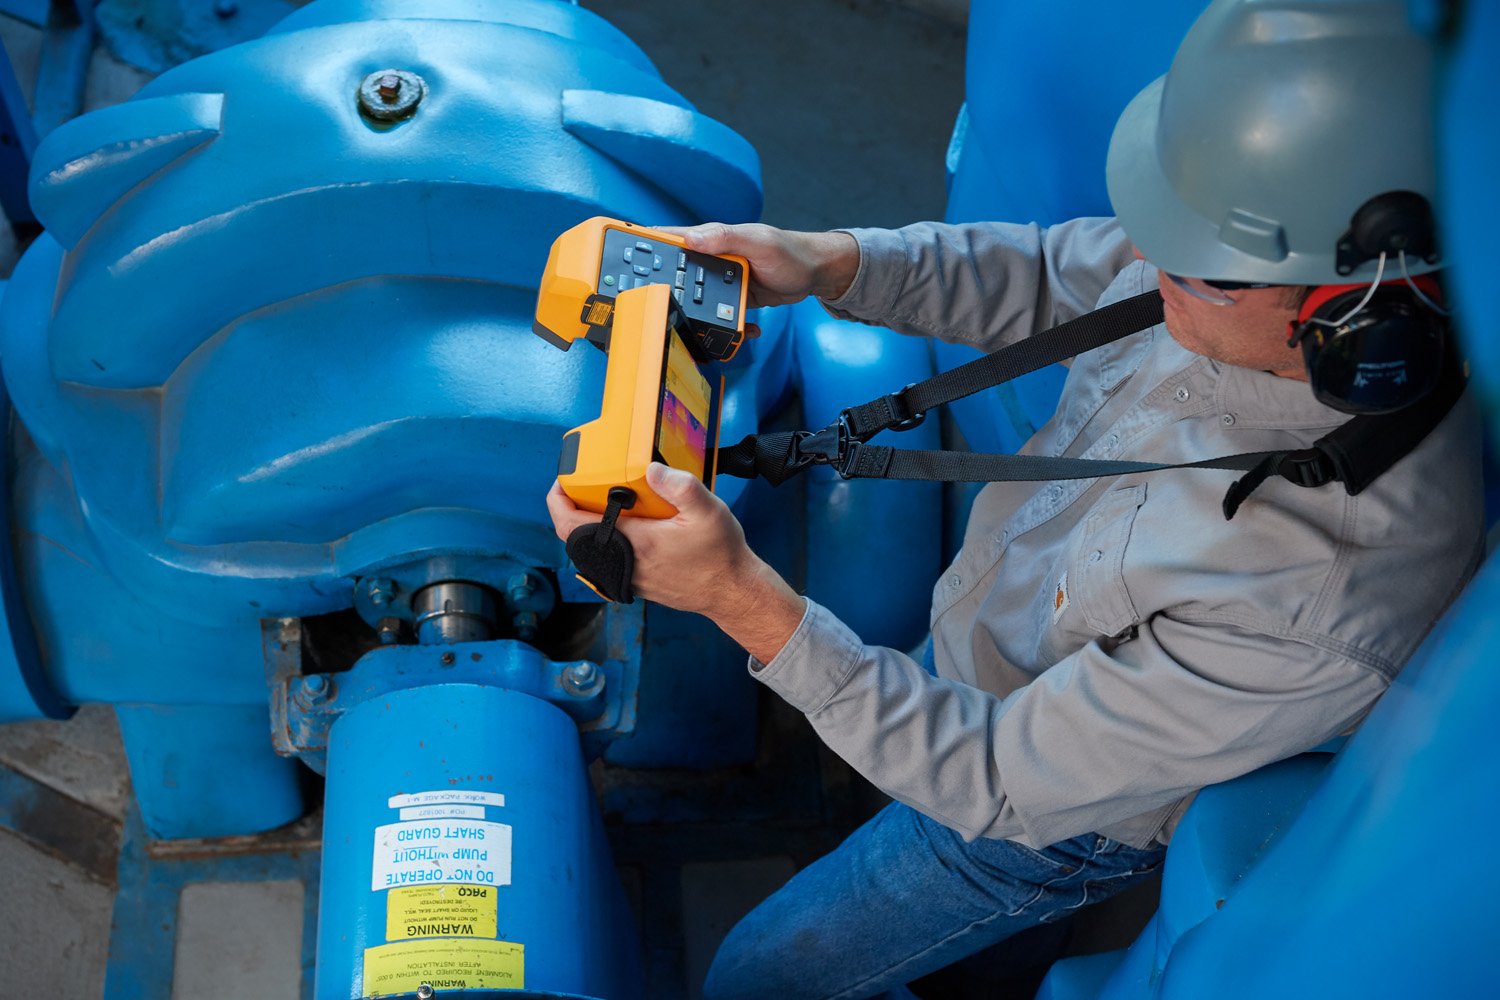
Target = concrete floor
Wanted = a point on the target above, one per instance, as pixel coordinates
(850, 103)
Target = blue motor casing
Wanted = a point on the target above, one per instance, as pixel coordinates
(269, 346)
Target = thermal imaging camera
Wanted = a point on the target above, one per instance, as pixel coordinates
(663, 315)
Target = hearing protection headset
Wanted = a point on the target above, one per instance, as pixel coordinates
(1378, 346)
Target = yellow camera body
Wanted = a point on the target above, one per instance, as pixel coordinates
(658, 406)
(592, 263)
(659, 311)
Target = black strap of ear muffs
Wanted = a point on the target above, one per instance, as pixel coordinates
(1355, 454)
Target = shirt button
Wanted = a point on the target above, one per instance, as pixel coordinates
(1227, 420)
(1112, 440)
(955, 581)
(1095, 556)
(1182, 394)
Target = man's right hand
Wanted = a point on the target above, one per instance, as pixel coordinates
(785, 266)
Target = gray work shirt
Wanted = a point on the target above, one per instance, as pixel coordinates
(1105, 648)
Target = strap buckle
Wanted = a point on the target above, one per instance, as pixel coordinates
(1309, 467)
(834, 446)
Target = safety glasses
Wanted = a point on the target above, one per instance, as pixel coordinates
(1220, 293)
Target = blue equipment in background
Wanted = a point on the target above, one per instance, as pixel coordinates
(282, 444)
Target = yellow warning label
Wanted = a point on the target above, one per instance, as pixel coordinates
(421, 911)
(444, 964)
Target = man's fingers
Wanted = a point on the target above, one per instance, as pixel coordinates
(566, 516)
(710, 237)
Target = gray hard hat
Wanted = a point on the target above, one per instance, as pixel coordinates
(1277, 122)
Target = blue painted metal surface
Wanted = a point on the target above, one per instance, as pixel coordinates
(305, 706)
(215, 765)
(1042, 99)
(330, 371)
(62, 72)
(155, 35)
(542, 853)
(862, 538)
(17, 141)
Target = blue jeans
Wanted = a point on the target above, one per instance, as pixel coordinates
(904, 896)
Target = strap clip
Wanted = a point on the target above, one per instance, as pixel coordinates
(1309, 467)
(834, 446)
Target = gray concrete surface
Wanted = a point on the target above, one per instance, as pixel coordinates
(54, 926)
(851, 104)
(238, 941)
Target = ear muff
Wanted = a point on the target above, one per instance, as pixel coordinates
(1378, 358)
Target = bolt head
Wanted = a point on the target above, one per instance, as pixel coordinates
(313, 689)
(582, 679)
(389, 631)
(520, 588)
(381, 591)
(525, 623)
(389, 95)
(424, 992)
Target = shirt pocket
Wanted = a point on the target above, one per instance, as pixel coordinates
(1095, 576)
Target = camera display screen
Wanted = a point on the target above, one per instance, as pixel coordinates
(682, 430)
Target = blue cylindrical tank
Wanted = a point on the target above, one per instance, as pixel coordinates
(462, 848)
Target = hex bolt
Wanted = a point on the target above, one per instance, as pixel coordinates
(389, 95)
(381, 591)
(520, 588)
(389, 631)
(525, 623)
(448, 659)
(424, 992)
(583, 679)
(313, 689)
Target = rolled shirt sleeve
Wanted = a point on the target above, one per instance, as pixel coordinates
(981, 284)
(1100, 738)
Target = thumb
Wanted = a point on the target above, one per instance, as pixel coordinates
(677, 487)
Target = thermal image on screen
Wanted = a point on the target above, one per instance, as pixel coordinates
(682, 433)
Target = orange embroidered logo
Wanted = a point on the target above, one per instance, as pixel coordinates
(1060, 598)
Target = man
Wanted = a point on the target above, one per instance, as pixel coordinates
(1101, 649)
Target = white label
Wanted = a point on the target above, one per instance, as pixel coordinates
(440, 797)
(436, 851)
(443, 812)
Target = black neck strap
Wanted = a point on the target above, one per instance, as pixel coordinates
(1355, 453)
